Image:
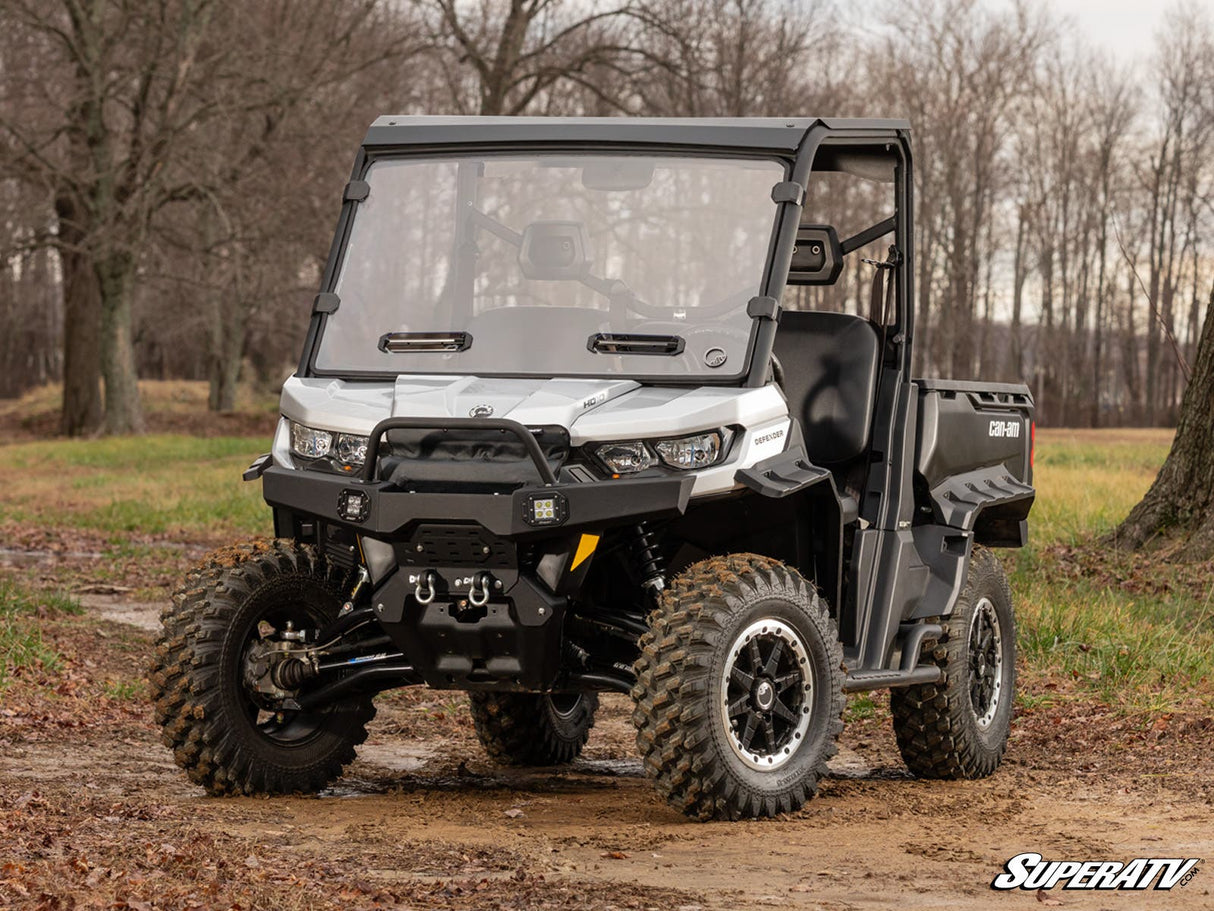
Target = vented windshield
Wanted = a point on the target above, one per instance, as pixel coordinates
(556, 265)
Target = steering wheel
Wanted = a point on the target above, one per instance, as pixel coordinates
(734, 300)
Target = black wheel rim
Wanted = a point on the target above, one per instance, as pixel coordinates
(281, 727)
(767, 694)
(985, 663)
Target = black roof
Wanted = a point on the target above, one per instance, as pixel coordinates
(758, 133)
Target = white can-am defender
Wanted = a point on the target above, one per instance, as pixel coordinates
(552, 433)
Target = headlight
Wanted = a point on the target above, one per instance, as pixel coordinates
(686, 453)
(310, 442)
(624, 457)
(344, 451)
(351, 449)
(699, 450)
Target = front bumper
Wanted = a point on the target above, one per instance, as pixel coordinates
(471, 584)
(389, 512)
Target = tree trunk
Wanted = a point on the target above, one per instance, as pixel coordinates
(1179, 507)
(228, 339)
(82, 411)
(123, 413)
(1018, 278)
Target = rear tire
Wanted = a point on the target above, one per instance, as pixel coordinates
(533, 729)
(739, 693)
(211, 720)
(959, 728)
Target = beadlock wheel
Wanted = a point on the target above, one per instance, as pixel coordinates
(739, 693)
(767, 690)
(959, 727)
(986, 663)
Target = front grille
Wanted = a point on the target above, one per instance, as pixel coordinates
(421, 459)
(457, 545)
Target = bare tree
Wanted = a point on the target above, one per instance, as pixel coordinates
(1184, 52)
(731, 58)
(265, 176)
(98, 125)
(504, 56)
(958, 71)
(169, 170)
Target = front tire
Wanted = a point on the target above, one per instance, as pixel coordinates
(739, 693)
(959, 728)
(533, 729)
(219, 730)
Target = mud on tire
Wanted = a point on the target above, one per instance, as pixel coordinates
(958, 728)
(734, 638)
(200, 700)
(533, 729)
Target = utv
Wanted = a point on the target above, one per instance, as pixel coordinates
(573, 417)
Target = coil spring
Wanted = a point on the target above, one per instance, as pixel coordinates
(650, 563)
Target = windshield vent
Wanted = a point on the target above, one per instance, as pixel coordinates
(606, 343)
(410, 342)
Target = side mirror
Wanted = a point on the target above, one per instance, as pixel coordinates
(817, 259)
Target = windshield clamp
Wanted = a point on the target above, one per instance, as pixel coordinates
(763, 308)
(356, 191)
(326, 302)
(788, 191)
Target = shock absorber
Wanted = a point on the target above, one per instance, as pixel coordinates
(650, 564)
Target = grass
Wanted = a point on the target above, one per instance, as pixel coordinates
(182, 397)
(1087, 481)
(124, 690)
(1084, 632)
(21, 643)
(164, 485)
(1115, 628)
(859, 707)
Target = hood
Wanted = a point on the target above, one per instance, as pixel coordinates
(590, 409)
(356, 407)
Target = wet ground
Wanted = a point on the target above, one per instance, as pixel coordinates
(93, 813)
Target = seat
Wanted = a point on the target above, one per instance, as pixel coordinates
(830, 363)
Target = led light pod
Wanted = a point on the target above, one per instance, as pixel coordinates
(545, 508)
(354, 505)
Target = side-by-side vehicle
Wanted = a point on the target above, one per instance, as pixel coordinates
(566, 422)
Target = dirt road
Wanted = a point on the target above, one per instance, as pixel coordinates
(93, 813)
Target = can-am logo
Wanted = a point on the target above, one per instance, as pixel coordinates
(1004, 429)
(1031, 871)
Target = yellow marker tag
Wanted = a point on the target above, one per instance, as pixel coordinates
(585, 548)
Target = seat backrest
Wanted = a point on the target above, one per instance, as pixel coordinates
(830, 363)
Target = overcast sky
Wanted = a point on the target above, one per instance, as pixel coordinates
(1124, 27)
